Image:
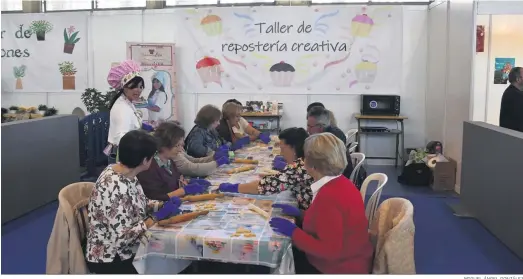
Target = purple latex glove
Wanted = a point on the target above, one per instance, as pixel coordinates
(176, 201)
(223, 161)
(278, 164)
(279, 157)
(147, 127)
(288, 209)
(240, 143)
(199, 181)
(220, 153)
(171, 207)
(229, 187)
(245, 140)
(282, 226)
(191, 189)
(224, 148)
(265, 137)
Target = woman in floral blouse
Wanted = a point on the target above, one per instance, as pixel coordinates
(119, 213)
(292, 176)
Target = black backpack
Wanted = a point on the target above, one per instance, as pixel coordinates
(416, 174)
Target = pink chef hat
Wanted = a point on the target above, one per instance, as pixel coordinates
(123, 73)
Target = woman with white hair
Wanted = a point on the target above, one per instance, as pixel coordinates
(333, 238)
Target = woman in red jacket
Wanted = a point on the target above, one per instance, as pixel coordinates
(334, 237)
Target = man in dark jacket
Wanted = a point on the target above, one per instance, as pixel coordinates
(511, 112)
(318, 121)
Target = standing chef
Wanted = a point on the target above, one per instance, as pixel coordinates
(123, 116)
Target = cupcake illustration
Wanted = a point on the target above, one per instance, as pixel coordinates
(210, 70)
(246, 251)
(367, 69)
(212, 25)
(156, 246)
(361, 25)
(282, 74)
(215, 245)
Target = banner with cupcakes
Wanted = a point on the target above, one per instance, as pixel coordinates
(44, 52)
(291, 50)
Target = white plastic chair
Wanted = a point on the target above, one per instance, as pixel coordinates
(351, 137)
(372, 205)
(357, 162)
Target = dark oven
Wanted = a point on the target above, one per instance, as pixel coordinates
(380, 104)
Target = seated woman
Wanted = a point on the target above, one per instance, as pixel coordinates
(293, 175)
(203, 139)
(163, 180)
(230, 118)
(334, 237)
(119, 213)
(198, 167)
(244, 129)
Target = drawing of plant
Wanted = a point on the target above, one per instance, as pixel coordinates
(19, 73)
(70, 39)
(40, 28)
(68, 72)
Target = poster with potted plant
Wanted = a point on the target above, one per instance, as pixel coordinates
(70, 39)
(19, 73)
(68, 72)
(42, 109)
(13, 109)
(40, 28)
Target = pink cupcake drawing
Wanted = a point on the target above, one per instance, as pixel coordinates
(282, 74)
(210, 70)
(361, 25)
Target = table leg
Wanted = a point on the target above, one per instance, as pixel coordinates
(397, 152)
(402, 142)
(358, 139)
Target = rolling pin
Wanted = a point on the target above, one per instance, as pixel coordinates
(245, 161)
(241, 169)
(204, 197)
(182, 218)
(258, 210)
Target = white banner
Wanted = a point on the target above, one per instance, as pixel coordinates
(44, 52)
(291, 50)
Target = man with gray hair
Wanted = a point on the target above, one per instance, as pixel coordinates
(511, 112)
(319, 121)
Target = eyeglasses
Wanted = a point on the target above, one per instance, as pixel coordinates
(313, 126)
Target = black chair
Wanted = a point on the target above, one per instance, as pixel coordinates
(94, 130)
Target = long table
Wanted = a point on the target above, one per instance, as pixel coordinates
(229, 233)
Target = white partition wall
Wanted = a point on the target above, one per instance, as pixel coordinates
(448, 102)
